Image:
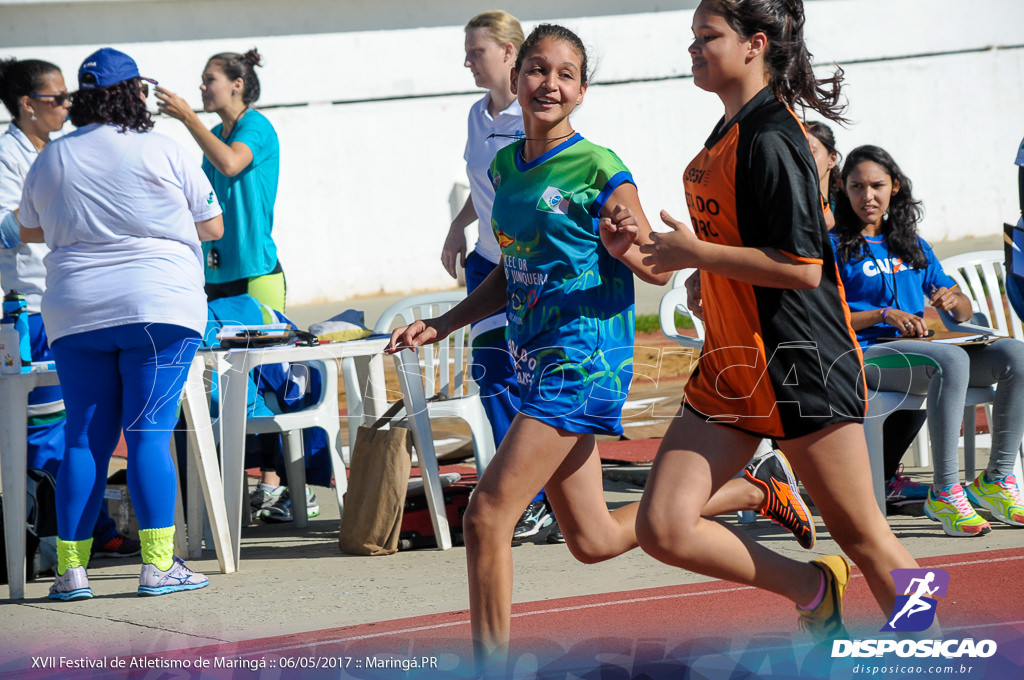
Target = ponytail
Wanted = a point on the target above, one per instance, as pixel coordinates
(790, 75)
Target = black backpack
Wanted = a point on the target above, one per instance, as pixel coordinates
(40, 520)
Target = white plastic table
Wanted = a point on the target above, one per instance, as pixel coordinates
(233, 367)
(14, 390)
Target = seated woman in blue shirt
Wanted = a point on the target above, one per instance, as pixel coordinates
(888, 270)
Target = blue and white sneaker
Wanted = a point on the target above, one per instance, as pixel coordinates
(73, 585)
(536, 516)
(153, 581)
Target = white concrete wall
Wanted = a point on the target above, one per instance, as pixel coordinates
(369, 98)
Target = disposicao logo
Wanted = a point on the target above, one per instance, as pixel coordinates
(554, 200)
(913, 612)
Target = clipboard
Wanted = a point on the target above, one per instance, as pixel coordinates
(947, 338)
(267, 335)
(964, 339)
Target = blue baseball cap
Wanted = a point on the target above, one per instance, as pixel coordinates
(106, 67)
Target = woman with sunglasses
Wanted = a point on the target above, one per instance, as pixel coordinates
(36, 97)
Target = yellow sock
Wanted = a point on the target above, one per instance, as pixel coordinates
(72, 554)
(158, 547)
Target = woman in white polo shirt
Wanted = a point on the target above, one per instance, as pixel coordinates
(123, 211)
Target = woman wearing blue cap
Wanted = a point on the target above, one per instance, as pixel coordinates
(123, 211)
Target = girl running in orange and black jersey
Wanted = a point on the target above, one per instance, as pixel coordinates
(780, 358)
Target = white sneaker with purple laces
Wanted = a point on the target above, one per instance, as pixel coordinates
(153, 581)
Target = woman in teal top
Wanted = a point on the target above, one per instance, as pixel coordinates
(241, 158)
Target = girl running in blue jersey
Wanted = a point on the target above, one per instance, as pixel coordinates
(495, 121)
(780, 358)
(567, 218)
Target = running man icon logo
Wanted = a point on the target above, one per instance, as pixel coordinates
(554, 200)
(914, 610)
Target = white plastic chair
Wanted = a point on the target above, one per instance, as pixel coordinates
(674, 301)
(980, 275)
(322, 414)
(445, 369)
(882, 404)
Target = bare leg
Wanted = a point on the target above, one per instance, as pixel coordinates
(833, 466)
(697, 458)
(533, 455)
(736, 494)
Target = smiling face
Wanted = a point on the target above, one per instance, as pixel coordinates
(217, 90)
(488, 61)
(549, 85)
(50, 116)
(717, 53)
(870, 188)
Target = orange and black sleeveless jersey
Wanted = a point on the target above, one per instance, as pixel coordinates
(776, 361)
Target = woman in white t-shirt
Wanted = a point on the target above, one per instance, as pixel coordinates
(123, 211)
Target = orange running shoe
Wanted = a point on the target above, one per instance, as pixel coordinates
(782, 502)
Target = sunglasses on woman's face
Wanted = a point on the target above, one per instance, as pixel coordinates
(58, 99)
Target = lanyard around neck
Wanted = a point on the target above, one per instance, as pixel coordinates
(881, 272)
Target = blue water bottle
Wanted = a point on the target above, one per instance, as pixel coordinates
(16, 312)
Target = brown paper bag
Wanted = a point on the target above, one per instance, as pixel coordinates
(378, 479)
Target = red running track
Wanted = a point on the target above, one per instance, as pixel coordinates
(717, 620)
(711, 631)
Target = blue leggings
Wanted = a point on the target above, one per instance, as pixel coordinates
(124, 377)
(46, 444)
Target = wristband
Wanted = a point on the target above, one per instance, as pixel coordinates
(884, 313)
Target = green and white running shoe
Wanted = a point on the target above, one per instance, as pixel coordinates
(1001, 498)
(958, 518)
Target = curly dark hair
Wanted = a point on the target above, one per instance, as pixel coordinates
(558, 33)
(119, 104)
(22, 77)
(791, 77)
(904, 214)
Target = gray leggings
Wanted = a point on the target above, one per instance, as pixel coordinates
(944, 372)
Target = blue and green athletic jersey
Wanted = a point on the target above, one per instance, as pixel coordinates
(570, 303)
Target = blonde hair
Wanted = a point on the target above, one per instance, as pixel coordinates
(504, 28)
